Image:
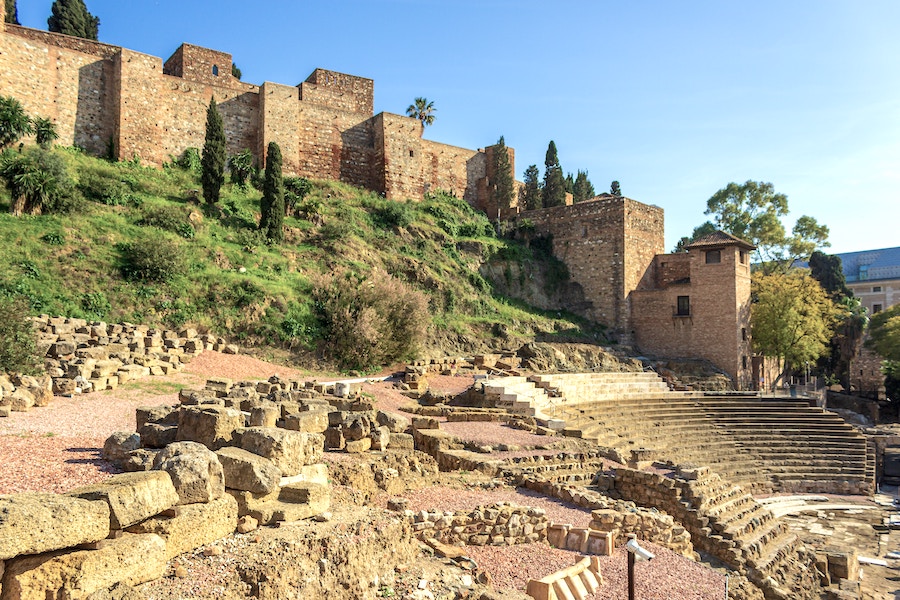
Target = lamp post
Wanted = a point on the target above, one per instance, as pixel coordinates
(635, 553)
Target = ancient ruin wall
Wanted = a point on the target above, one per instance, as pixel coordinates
(607, 244)
(339, 91)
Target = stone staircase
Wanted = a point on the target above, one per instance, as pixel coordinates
(726, 522)
(763, 444)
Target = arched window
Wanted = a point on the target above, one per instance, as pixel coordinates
(215, 70)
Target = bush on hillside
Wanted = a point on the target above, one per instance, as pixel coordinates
(18, 342)
(153, 258)
(169, 218)
(104, 187)
(368, 322)
(38, 181)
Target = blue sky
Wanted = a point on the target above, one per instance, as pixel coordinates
(673, 99)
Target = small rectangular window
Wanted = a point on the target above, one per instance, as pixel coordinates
(411, 153)
(683, 309)
(876, 308)
(743, 334)
(743, 257)
(744, 362)
(863, 272)
(713, 257)
(876, 289)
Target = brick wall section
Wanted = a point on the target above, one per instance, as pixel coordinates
(339, 91)
(453, 169)
(201, 65)
(279, 113)
(65, 42)
(714, 329)
(590, 237)
(71, 88)
(400, 156)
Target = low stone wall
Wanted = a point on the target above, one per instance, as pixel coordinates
(620, 517)
(83, 356)
(501, 524)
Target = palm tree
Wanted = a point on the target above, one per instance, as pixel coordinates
(422, 110)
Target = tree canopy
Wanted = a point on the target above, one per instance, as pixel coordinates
(553, 192)
(423, 110)
(212, 163)
(271, 221)
(502, 186)
(792, 318)
(71, 17)
(699, 232)
(14, 122)
(531, 191)
(583, 188)
(884, 333)
(753, 211)
(12, 13)
(614, 189)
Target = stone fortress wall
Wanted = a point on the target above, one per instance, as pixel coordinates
(115, 101)
(125, 104)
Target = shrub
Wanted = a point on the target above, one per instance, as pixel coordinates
(45, 132)
(393, 214)
(95, 305)
(104, 187)
(14, 123)
(190, 160)
(153, 258)
(169, 218)
(18, 341)
(369, 322)
(295, 190)
(38, 182)
(241, 167)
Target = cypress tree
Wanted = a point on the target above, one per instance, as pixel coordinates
(583, 189)
(212, 163)
(71, 17)
(502, 188)
(12, 13)
(271, 221)
(531, 192)
(614, 189)
(554, 190)
(570, 184)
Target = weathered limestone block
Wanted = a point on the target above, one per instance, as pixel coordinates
(211, 426)
(356, 427)
(162, 415)
(396, 423)
(75, 575)
(119, 444)
(219, 387)
(156, 435)
(300, 500)
(192, 525)
(132, 497)
(289, 450)
(381, 438)
(64, 386)
(36, 523)
(310, 421)
(247, 471)
(128, 373)
(359, 446)
(139, 460)
(265, 415)
(401, 441)
(21, 400)
(195, 470)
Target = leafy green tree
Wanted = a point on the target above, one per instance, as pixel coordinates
(271, 222)
(583, 188)
(791, 319)
(753, 211)
(553, 192)
(699, 232)
(241, 166)
(828, 269)
(235, 72)
(14, 123)
(212, 163)
(502, 186)
(71, 17)
(38, 181)
(614, 189)
(531, 191)
(18, 341)
(45, 132)
(423, 110)
(12, 13)
(884, 333)
(295, 191)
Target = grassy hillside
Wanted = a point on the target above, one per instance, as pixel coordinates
(217, 273)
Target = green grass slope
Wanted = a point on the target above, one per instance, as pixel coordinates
(217, 272)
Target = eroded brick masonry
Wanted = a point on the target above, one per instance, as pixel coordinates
(111, 100)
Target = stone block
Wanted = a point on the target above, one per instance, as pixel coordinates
(195, 470)
(119, 444)
(132, 497)
(265, 415)
(38, 523)
(192, 525)
(162, 415)
(155, 435)
(396, 423)
(381, 438)
(212, 426)
(248, 471)
(289, 450)
(75, 575)
(313, 421)
(358, 446)
(401, 441)
(290, 503)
